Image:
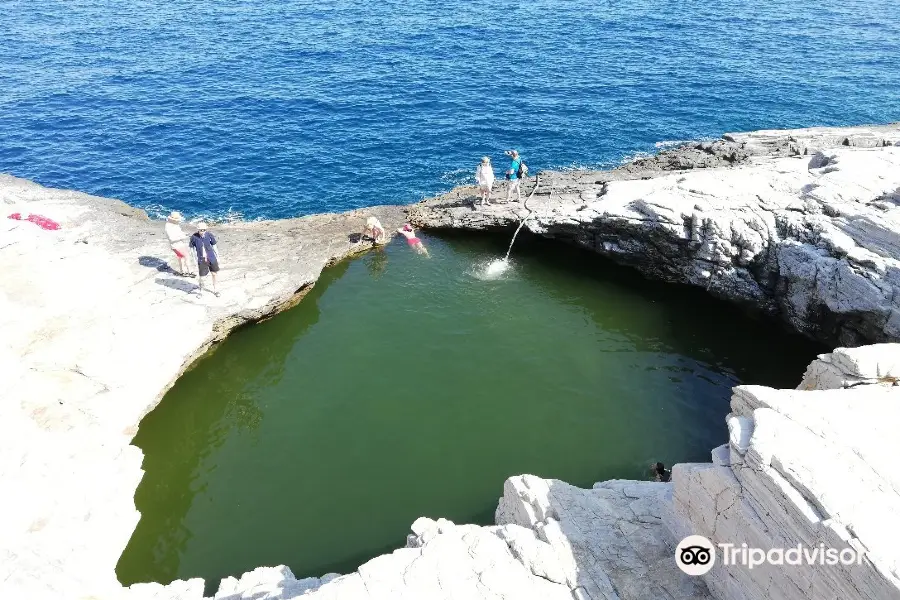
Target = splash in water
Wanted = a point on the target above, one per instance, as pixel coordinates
(490, 270)
(497, 267)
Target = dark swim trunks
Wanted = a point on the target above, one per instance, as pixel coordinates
(207, 266)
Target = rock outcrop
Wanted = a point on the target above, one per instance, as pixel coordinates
(803, 225)
(810, 466)
(95, 328)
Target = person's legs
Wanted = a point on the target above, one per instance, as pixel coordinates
(519, 189)
(180, 261)
(513, 186)
(214, 269)
(183, 268)
(202, 271)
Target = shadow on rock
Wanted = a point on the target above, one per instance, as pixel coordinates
(154, 262)
(177, 284)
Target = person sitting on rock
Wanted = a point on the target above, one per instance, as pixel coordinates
(660, 473)
(178, 242)
(484, 176)
(374, 231)
(203, 242)
(415, 243)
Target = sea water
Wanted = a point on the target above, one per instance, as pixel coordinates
(249, 109)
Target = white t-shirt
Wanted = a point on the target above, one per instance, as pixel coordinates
(484, 175)
(176, 236)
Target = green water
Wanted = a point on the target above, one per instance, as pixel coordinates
(405, 386)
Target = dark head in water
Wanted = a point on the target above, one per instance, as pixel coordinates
(661, 473)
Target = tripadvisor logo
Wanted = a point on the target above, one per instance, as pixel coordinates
(696, 555)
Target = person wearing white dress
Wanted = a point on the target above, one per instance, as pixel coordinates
(484, 175)
(178, 242)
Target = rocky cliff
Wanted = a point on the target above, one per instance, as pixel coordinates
(809, 466)
(803, 225)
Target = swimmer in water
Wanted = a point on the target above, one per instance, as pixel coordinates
(414, 242)
(661, 473)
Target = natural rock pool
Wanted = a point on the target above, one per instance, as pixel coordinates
(404, 386)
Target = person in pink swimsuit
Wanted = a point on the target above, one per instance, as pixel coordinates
(411, 239)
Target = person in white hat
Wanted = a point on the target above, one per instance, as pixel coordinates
(203, 242)
(484, 176)
(178, 242)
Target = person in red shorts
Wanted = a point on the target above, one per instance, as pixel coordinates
(178, 241)
(415, 243)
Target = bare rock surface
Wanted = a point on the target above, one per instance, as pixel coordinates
(96, 327)
(810, 466)
(606, 543)
(552, 541)
(803, 225)
(850, 367)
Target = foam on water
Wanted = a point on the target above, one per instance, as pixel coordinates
(670, 144)
(491, 270)
(228, 216)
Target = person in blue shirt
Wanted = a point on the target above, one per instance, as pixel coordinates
(203, 242)
(512, 174)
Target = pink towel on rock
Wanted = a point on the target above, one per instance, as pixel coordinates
(40, 221)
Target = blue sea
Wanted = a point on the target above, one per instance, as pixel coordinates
(275, 108)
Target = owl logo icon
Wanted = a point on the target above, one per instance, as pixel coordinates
(695, 555)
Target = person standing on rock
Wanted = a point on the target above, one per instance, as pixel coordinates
(513, 174)
(484, 176)
(203, 242)
(178, 241)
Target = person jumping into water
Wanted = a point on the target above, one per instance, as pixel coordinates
(415, 243)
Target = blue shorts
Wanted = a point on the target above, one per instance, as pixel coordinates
(207, 266)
